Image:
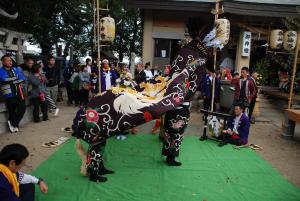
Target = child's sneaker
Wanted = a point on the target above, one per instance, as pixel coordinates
(11, 128)
(56, 111)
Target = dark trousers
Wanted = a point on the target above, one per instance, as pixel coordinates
(175, 124)
(27, 192)
(76, 96)
(16, 109)
(37, 103)
(84, 97)
(235, 141)
(96, 148)
(252, 105)
(207, 104)
(70, 93)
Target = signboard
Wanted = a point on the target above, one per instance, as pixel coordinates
(246, 46)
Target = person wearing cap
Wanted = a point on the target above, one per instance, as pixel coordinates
(108, 76)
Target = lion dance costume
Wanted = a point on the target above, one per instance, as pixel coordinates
(120, 109)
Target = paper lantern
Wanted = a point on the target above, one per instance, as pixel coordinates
(223, 31)
(276, 39)
(289, 40)
(107, 29)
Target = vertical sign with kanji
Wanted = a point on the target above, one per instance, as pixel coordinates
(246, 46)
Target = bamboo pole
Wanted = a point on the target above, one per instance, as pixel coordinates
(95, 35)
(98, 45)
(215, 59)
(294, 70)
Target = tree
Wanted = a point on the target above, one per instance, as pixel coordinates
(293, 23)
(71, 22)
(54, 21)
(128, 30)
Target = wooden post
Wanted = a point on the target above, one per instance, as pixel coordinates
(98, 45)
(294, 70)
(215, 59)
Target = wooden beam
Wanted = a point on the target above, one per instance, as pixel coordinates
(294, 115)
(252, 29)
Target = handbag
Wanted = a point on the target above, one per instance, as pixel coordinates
(42, 97)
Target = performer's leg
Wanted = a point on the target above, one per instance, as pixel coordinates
(162, 130)
(95, 162)
(175, 124)
(95, 150)
(156, 127)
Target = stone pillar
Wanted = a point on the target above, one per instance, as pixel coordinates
(132, 63)
(241, 61)
(148, 42)
(19, 55)
(288, 126)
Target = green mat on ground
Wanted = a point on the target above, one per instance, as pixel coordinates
(208, 173)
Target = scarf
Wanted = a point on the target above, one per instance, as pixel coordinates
(106, 69)
(11, 177)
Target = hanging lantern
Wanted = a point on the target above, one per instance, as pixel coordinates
(289, 40)
(223, 31)
(107, 29)
(276, 39)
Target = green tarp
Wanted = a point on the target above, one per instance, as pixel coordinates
(208, 173)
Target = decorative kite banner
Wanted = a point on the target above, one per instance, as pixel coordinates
(276, 39)
(219, 36)
(223, 31)
(289, 40)
(107, 29)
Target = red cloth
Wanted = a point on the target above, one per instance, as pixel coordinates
(251, 89)
(235, 137)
